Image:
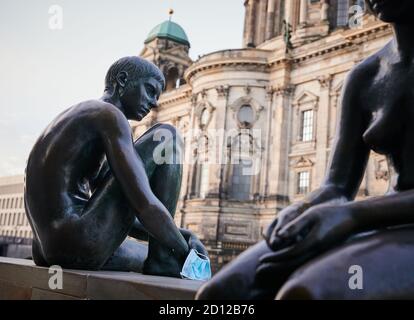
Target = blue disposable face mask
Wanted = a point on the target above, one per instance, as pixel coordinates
(196, 267)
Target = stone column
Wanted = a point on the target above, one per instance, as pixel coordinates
(270, 19)
(277, 18)
(288, 10)
(250, 25)
(325, 10)
(264, 180)
(322, 134)
(303, 12)
(278, 174)
(261, 21)
(222, 113)
(246, 20)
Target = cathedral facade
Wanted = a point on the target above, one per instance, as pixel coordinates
(258, 122)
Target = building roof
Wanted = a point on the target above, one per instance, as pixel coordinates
(169, 30)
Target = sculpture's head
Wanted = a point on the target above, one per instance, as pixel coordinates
(393, 11)
(138, 84)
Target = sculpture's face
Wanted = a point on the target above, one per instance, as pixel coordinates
(139, 97)
(393, 11)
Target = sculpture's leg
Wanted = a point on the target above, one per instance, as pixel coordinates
(130, 256)
(379, 266)
(238, 280)
(165, 182)
(165, 179)
(37, 253)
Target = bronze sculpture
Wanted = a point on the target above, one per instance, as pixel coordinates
(313, 244)
(89, 185)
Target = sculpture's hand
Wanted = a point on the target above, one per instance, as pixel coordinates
(193, 241)
(284, 218)
(315, 231)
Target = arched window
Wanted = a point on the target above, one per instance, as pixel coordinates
(240, 188)
(172, 78)
(246, 116)
(241, 175)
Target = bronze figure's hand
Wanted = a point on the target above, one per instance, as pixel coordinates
(193, 241)
(316, 230)
(285, 217)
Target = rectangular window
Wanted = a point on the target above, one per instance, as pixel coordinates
(343, 13)
(307, 126)
(303, 182)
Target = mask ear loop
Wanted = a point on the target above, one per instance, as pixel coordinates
(202, 256)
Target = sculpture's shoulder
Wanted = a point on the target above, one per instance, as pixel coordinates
(367, 69)
(105, 116)
(97, 107)
(100, 110)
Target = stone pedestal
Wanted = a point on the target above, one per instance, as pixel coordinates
(22, 280)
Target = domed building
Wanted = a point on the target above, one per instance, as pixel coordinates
(258, 122)
(167, 46)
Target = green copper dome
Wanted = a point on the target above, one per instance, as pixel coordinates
(168, 30)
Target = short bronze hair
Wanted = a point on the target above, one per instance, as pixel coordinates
(136, 68)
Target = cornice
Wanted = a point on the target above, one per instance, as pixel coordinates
(267, 61)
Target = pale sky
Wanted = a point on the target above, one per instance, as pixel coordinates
(45, 71)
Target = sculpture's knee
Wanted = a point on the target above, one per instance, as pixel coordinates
(226, 286)
(212, 290)
(296, 291)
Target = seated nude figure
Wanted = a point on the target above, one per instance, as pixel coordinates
(89, 185)
(311, 248)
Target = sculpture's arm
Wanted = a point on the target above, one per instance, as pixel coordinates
(138, 231)
(347, 161)
(349, 154)
(323, 227)
(381, 212)
(129, 171)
